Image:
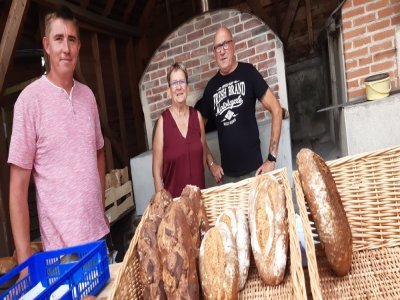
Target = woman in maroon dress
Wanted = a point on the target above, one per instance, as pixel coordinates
(179, 145)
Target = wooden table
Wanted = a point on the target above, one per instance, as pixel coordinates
(114, 270)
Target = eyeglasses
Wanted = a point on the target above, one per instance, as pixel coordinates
(175, 83)
(224, 45)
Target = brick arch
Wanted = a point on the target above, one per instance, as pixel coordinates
(192, 44)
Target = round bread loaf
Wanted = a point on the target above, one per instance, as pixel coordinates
(237, 223)
(327, 210)
(7, 264)
(178, 255)
(268, 228)
(219, 264)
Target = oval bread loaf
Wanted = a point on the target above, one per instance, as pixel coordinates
(178, 255)
(219, 264)
(268, 228)
(327, 210)
(237, 223)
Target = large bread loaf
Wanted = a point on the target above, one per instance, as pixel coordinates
(178, 255)
(326, 207)
(150, 263)
(218, 264)
(268, 228)
(194, 194)
(237, 223)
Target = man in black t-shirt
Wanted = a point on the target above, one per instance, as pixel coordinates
(230, 98)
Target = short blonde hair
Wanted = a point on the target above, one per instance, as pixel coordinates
(177, 66)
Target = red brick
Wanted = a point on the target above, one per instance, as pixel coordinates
(200, 69)
(256, 41)
(211, 29)
(366, 19)
(200, 85)
(185, 30)
(195, 35)
(209, 40)
(271, 54)
(157, 74)
(365, 61)
(166, 63)
(379, 47)
(190, 46)
(174, 51)
(194, 78)
(356, 94)
(348, 46)
(382, 67)
(391, 53)
(192, 63)
(178, 41)
(347, 26)
(158, 90)
(154, 99)
(163, 104)
(258, 58)
(354, 33)
(265, 47)
(238, 28)
(230, 22)
(183, 57)
(351, 64)
(220, 16)
(152, 66)
(395, 20)
(159, 56)
(358, 3)
(386, 12)
(251, 24)
(353, 84)
(241, 45)
(384, 34)
(357, 73)
(378, 25)
(377, 5)
(272, 71)
(361, 42)
(198, 52)
(356, 53)
(242, 36)
(202, 23)
(208, 75)
(245, 54)
(348, 14)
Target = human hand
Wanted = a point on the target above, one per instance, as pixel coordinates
(266, 167)
(217, 172)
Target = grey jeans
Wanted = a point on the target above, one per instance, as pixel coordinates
(229, 179)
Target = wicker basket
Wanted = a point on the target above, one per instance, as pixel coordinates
(127, 284)
(369, 186)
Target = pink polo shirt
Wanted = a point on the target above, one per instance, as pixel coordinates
(57, 136)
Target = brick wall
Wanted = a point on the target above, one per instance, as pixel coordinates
(192, 44)
(369, 38)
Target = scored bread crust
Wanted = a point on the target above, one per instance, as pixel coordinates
(237, 223)
(327, 210)
(178, 255)
(219, 264)
(149, 260)
(268, 228)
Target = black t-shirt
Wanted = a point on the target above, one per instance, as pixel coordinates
(231, 100)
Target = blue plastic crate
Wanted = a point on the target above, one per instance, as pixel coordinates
(83, 270)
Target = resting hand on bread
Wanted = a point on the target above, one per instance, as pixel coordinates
(266, 167)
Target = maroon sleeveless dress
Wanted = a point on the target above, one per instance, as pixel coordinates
(182, 157)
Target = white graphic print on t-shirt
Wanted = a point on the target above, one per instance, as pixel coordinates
(226, 99)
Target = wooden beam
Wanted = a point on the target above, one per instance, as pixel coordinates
(5, 225)
(18, 87)
(12, 31)
(128, 10)
(169, 14)
(289, 17)
(134, 70)
(84, 3)
(145, 18)
(257, 9)
(109, 135)
(309, 25)
(118, 94)
(277, 12)
(95, 19)
(101, 98)
(108, 8)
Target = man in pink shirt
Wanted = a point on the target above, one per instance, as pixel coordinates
(57, 137)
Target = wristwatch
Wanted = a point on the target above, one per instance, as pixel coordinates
(271, 157)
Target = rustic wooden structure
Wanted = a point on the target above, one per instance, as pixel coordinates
(118, 39)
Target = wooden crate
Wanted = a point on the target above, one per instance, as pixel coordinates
(118, 200)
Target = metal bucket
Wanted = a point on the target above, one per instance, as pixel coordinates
(377, 86)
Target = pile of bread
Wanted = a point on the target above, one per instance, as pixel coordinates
(182, 257)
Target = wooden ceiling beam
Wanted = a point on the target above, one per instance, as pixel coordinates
(92, 18)
(108, 8)
(289, 18)
(84, 3)
(128, 10)
(258, 10)
(310, 25)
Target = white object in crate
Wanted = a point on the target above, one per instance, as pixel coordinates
(142, 180)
